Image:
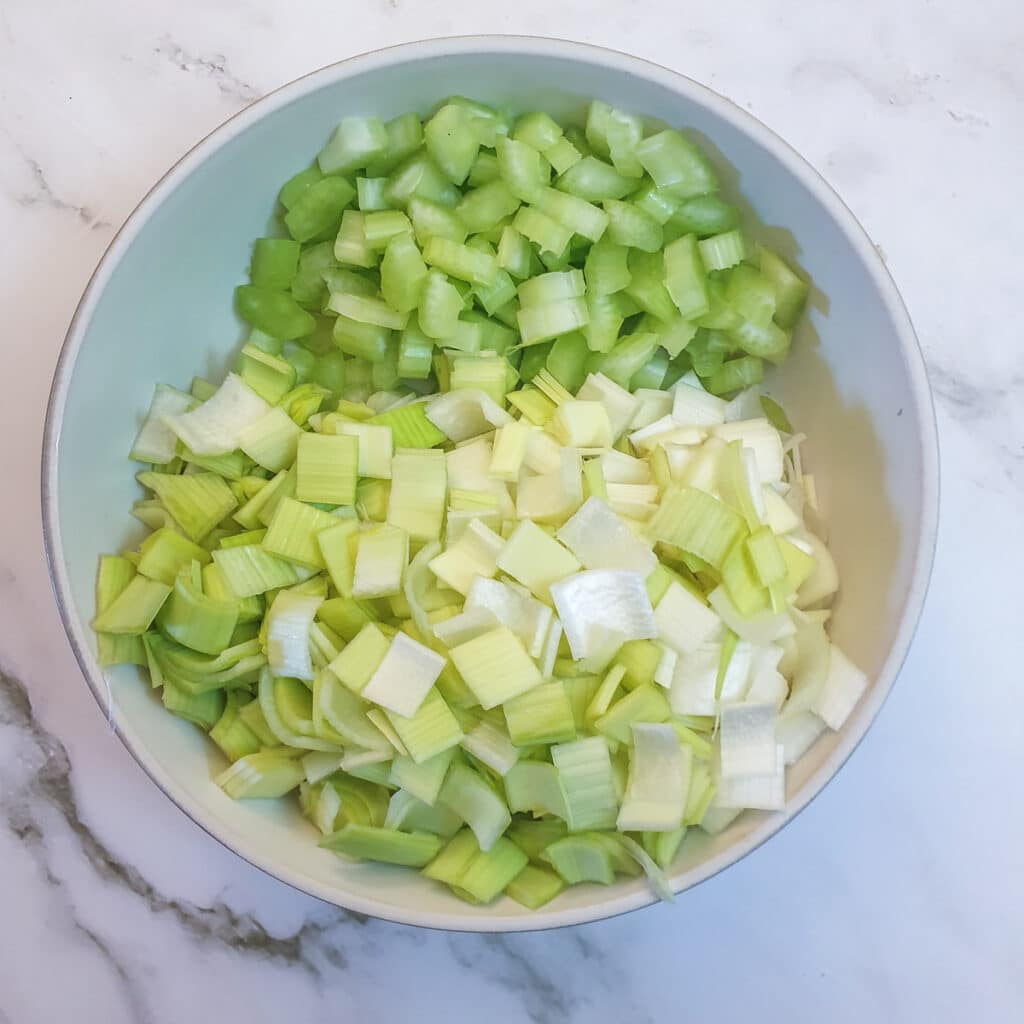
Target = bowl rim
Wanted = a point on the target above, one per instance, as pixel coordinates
(614, 903)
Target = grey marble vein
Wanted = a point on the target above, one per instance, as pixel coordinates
(213, 66)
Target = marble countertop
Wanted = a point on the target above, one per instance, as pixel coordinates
(897, 896)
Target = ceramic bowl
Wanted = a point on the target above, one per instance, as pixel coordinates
(159, 309)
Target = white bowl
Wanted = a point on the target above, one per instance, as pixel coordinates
(159, 309)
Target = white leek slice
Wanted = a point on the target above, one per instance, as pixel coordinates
(824, 580)
(747, 736)
(778, 515)
(513, 607)
(696, 677)
(288, 624)
(767, 686)
(659, 779)
(763, 439)
(758, 792)
(404, 676)
(761, 629)
(467, 625)
(213, 427)
(620, 468)
(665, 670)
(155, 442)
(695, 407)
(652, 406)
(798, 732)
(620, 405)
(601, 540)
(463, 414)
(664, 431)
(745, 406)
(601, 609)
(581, 424)
(474, 554)
(491, 745)
(684, 622)
(844, 686)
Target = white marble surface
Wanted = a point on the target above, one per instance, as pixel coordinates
(897, 896)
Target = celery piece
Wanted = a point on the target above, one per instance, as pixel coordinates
(495, 666)
(404, 137)
(768, 341)
(521, 169)
(575, 214)
(542, 715)
(467, 794)
(706, 215)
(544, 231)
(461, 261)
(585, 774)
(452, 140)
(534, 887)
(595, 181)
(402, 274)
(380, 227)
(365, 310)
(274, 263)
(684, 277)
(355, 142)
(327, 468)
(261, 775)
(790, 290)
(197, 501)
(274, 312)
(535, 559)
(317, 210)
(583, 858)
(419, 177)
(676, 164)
(133, 610)
(297, 184)
(485, 206)
(365, 842)
(419, 485)
(719, 252)
(606, 268)
(628, 357)
(630, 226)
(362, 340)
(646, 287)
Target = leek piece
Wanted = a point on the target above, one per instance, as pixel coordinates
(249, 570)
(490, 872)
(292, 533)
(113, 576)
(366, 842)
(646, 703)
(382, 555)
(133, 610)
(698, 523)
(336, 544)
(410, 427)
(600, 609)
(401, 679)
(261, 775)
(528, 618)
(533, 837)
(534, 887)
(534, 786)
(495, 666)
(344, 713)
(467, 794)
(197, 501)
(429, 731)
(232, 734)
(585, 775)
(584, 858)
(288, 624)
(658, 780)
(155, 442)
(203, 709)
(327, 468)
(423, 779)
(271, 441)
(360, 658)
(195, 620)
(542, 715)
(474, 554)
(535, 559)
(164, 553)
(844, 685)
(419, 485)
(684, 621)
(450, 864)
(601, 540)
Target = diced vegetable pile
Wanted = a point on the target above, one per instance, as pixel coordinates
(489, 547)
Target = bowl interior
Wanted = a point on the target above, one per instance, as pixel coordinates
(160, 310)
